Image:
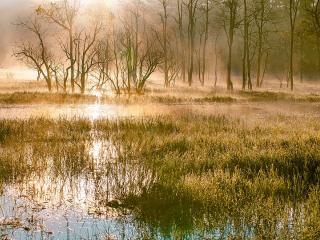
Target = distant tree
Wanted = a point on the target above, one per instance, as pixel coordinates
(313, 18)
(262, 18)
(64, 14)
(229, 19)
(216, 60)
(313, 9)
(192, 6)
(86, 52)
(148, 60)
(293, 8)
(249, 46)
(36, 53)
(179, 20)
(169, 45)
(164, 39)
(246, 53)
(61, 73)
(205, 7)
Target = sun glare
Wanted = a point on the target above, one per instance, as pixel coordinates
(108, 3)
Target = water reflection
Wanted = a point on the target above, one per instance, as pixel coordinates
(71, 191)
(98, 110)
(77, 189)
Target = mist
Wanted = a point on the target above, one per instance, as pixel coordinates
(199, 42)
(159, 119)
(9, 13)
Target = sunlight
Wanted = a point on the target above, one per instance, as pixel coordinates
(96, 112)
(98, 94)
(111, 3)
(108, 3)
(159, 119)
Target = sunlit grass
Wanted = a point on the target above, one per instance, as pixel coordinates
(216, 168)
(61, 98)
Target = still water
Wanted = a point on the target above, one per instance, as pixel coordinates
(114, 111)
(72, 192)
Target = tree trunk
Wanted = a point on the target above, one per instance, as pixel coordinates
(72, 74)
(165, 41)
(244, 69)
(191, 57)
(301, 59)
(182, 42)
(258, 83)
(229, 82)
(192, 6)
(291, 60)
(49, 84)
(204, 50)
(245, 51)
(260, 43)
(293, 10)
(216, 61)
(230, 44)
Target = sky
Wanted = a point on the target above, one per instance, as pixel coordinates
(10, 11)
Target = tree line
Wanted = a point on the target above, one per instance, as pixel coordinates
(75, 49)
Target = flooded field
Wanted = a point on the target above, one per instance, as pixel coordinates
(164, 173)
(114, 111)
(68, 193)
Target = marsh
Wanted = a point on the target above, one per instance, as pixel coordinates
(174, 174)
(159, 119)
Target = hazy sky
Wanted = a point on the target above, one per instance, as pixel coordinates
(11, 11)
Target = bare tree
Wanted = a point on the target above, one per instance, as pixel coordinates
(149, 59)
(169, 44)
(103, 66)
(164, 39)
(248, 48)
(64, 13)
(111, 68)
(36, 53)
(262, 17)
(216, 60)
(245, 45)
(302, 33)
(192, 6)
(313, 12)
(179, 20)
(129, 53)
(205, 7)
(229, 21)
(87, 53)
(293, 8)
(61, 73)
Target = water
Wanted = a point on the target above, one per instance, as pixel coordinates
(68, 192)
(71, 190)
(114, 111)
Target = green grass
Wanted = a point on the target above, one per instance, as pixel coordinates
(253, 176)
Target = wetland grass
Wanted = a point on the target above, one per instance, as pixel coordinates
(177, 174)
(62, 98)
(240, 96)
